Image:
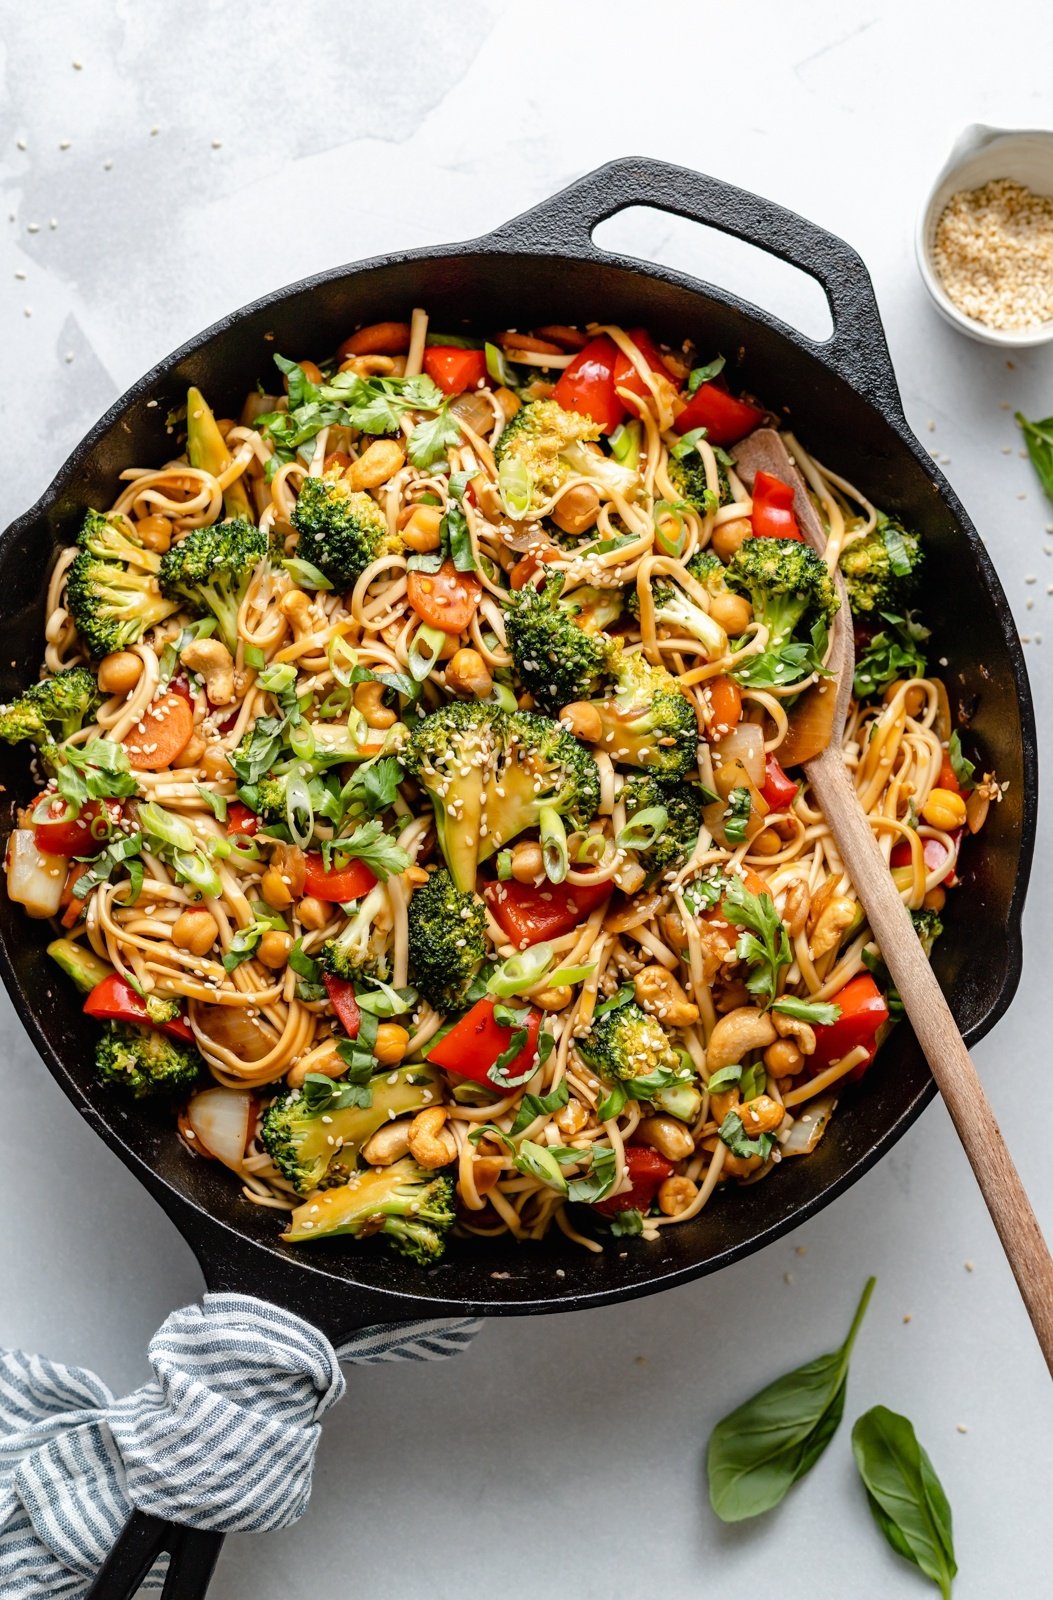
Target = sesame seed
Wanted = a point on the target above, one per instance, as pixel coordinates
(993, 253)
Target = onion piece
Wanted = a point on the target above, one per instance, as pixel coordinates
(471, 408)
(744, 743)
(220, 1119)
(811, 725)
(35, 879)
(977, 805)
(231, 1029)
(809, 1127)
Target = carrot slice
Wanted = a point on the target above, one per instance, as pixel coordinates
(725, 707)
(379, 338)
(446, 599)
(161, 735)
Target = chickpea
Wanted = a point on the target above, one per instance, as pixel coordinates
(554, 999)
(783, 1059)
(155, 532)
(313, 914)
(669, 1137)
(275, 890)
(765, 843)
(120, 672)
(936, 898)
(572, 1117)
(528, 863)
(468, 674)
(732, 612)
(389, 1047)
(369, 699)
(327, 1064)
(196, 931)
(273, 949)
(416, 876)
(762, 1114)
(378, 462)
(577, 510)
(944, 809)
(913, 700)
(214, 764)
(676, 1195)
(727, 536)
(583, 720)
(421, 532)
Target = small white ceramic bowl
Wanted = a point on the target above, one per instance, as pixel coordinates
(981, 155)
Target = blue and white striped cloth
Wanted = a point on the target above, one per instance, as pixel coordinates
(223, 1438)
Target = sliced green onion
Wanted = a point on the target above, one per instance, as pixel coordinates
(688, 444)
(569, 975)
(537, 1161)
(504, 697)
(625, 442)
(305, 573)
(590, 848)
(516, 486)
(342, 660)
(643, 829)
(162, 826)
(384, 1001)
(520, 972)
(553, 844)
(278, 677)
(498, 367)
(424, 651)
(504, 865)
(254, 657)
(302, 741)
(201, 875)
(237, 847)
(666, 511)
(299, 812)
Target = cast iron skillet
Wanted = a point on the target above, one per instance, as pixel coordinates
(841, 398)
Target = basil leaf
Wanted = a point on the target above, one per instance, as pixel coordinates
(538, 1161)
(759, 1450)
(619, 998)
(962, 767)
(725, 1078)
(217, 803)
(754, 1081)
(102, 867)
(736, 817)
(599, 1180)
(626, 1224)
(820, 1011)
(893, 653)
(1038, 436)
(700, 375)
(904, 1494)
(614, 1104)
(732, 1133)
(533, 1106)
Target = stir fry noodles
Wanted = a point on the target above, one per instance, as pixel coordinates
(422, 812)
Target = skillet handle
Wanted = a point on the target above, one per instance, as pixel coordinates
(856, 351)
(193, 1553)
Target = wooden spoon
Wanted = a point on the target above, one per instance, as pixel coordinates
(923, 999)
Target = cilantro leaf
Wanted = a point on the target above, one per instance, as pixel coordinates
(765, 945)
(369, 843)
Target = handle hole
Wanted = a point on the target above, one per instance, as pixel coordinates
(651, 235)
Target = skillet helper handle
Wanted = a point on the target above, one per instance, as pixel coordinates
(943, 1046)
(193, 1553)
(856, 351)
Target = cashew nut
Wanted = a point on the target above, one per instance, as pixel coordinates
(669, 1137)
(431, 1143)
(378, 462)
(744, 1029)
(794, 1028)
(212, 659)
(796, 906)
(388, 1145)
(301, 613)
(658, 992)
(467, 673)
(572, 1117)
(837, 915)
(583, 720)
(369, 699)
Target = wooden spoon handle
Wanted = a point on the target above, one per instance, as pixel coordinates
(937, 1033)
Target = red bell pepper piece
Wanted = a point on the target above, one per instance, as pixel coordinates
(473, 1045)
(725, 419)
(241, 820)
(587, 385)
(453, 369)
(647, 1172)
(83, 835)
(180, 684)
(863, 1012)
(338, 884)
(626, 375)
(778, 789)
(528, 914)
(773, 514)
(114, 1000)
(948, 778)
(342, 999)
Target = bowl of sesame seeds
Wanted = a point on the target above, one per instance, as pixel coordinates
(985, 236)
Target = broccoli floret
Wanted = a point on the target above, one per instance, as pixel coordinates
(676, 833)
(676, 609)
(111, 588)
(881, 569)
(447, 941)
(210, 571)
(309, 1151)
(928, 926)
(51, 710)
(647, 722)
(341, 530)
(411, 1208)
(551, 445)
(491, 774)
(554, 656)
(145, 1062)
(789, 586)
(628, 1047)
(687, 474)
(595, 609)
(360, 952)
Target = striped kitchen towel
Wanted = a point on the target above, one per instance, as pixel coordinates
(223, 1438)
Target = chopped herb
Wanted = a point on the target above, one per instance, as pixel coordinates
(736, 817)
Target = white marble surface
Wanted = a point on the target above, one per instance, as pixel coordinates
(218, 151)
